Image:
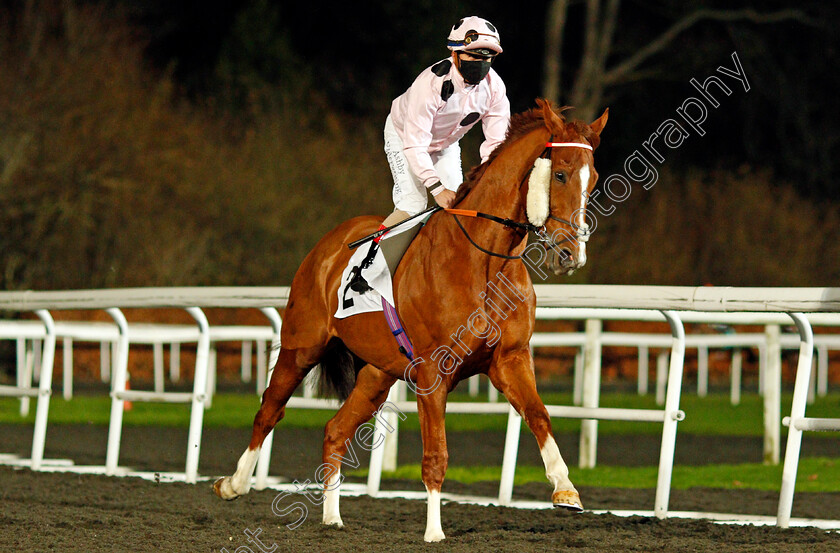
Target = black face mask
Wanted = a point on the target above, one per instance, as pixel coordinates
(474, 71)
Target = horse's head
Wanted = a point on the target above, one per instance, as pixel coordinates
(559, 185)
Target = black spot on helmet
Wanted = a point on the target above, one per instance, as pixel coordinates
(474, 32)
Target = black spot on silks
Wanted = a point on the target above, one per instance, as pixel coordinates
(442, 67)
(470, 119)
(460, 22)
(446, 90)
(491, 27)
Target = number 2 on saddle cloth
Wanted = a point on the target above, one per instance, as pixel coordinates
(392, 247)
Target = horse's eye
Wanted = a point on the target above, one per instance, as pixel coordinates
(560, 176)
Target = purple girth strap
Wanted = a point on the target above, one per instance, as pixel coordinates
(397, 330)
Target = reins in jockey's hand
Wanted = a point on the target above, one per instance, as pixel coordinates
(356, 243)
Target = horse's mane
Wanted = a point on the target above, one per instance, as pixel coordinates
(520, 125)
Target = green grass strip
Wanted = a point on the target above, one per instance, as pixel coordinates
(815, 474)
(712, 415)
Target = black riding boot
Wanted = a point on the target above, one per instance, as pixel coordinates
(357, 282)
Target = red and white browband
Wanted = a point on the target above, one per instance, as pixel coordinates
(569, 144)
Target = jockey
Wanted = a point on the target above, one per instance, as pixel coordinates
(426, 122)
(444, 102)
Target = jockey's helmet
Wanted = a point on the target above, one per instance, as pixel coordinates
(476, 36)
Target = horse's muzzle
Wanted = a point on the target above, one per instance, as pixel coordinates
(565, 261)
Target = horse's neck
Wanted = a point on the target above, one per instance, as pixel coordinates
(442, 249)
(499, 193)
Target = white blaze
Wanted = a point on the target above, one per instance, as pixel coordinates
(584, 186)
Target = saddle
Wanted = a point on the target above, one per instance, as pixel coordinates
(367, 282)
(393, 248)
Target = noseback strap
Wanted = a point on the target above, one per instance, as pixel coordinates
(568, 145)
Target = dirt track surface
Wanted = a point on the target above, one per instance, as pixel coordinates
(68, 512)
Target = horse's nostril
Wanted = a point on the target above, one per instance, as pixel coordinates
(560, 257)
(565, 255)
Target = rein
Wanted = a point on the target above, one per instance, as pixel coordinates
(542, 235)
(506, 222)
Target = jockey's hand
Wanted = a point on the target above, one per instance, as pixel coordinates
(445, 199)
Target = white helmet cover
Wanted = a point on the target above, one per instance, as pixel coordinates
(474, 33)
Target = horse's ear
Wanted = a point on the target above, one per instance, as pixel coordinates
(554, 123)
(599, 124)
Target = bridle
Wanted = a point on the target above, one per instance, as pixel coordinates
(582, 232)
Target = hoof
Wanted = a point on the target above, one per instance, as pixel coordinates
(433, 537)
(567, 499)
(224, 490)
(334, 522)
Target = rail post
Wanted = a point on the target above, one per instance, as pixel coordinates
(264, 460)
(591, 393)
(672, 415)
(514, 428)
(797, 411)
(118, 378)
(44, 390)
(772, 395)
(202, 361)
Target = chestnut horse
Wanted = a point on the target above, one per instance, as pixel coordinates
(465, 299)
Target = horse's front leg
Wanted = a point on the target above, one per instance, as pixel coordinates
(431, 409)
(512, 373)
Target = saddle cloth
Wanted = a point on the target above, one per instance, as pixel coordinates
(379, 275)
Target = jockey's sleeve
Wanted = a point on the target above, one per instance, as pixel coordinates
(422, 103)
(495, 122)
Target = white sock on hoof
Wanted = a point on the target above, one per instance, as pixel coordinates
(434, 531)
(555, 468)
(331, 496)
(241, 479)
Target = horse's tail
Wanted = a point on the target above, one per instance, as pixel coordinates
(337, 370)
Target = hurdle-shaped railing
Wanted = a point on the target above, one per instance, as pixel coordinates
(664, 299)
(141, 297)
(701, 342)
(153, 334)
(199, 397)
(156, 335)
(44, 389)
(769, 344)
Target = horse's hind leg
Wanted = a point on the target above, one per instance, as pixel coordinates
(292, 366)
(513, 375)
(371, 390)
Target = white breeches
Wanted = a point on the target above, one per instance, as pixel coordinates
(409, 193)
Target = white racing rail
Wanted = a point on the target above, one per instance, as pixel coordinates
(667, 299)
(126, 334)
(769, 344)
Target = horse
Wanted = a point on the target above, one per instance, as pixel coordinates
(465, 299)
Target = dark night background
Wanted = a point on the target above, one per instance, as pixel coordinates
(276, 91)
(363, 54)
